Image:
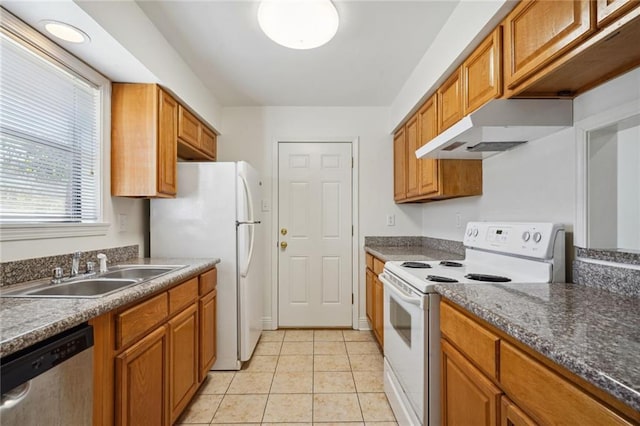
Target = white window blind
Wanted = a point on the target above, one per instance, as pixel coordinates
(49, 140)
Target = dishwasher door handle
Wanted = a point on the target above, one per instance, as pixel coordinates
(14, 396)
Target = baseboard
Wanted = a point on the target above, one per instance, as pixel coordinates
(267, 323)
(363, 324)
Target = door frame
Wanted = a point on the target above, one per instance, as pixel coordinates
(274, 235)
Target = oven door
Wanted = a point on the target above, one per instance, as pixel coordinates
(404, 340)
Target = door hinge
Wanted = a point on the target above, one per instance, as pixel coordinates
(352, 298)
(352, 230)
(352, 162)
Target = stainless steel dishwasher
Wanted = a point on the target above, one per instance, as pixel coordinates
(51, 382)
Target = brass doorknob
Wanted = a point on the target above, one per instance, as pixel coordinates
(283, 245)
(283, 231)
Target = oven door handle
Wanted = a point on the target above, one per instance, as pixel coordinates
(417, 301)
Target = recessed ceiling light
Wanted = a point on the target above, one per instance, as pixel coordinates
(298, 24)
(66, 32)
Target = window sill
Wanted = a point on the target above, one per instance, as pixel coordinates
(41, 231)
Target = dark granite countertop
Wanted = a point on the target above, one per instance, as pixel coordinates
(591, 332)
(25, 321)
(387, 253)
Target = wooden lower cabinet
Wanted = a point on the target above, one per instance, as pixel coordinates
(468, 397)
(375, 297)
(527, 390)
(369, 292)
(141, 381)
(183, 368)
(378, 310)
(511, 415)
(207, 310)
(151, 356)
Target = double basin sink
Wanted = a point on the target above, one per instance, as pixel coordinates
(117, 278)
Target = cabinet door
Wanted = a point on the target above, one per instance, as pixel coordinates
(183, 364)
(167, 144)
(141, 382)
(207, 338)
(427, 130)
(450, 101)
(468, 397)
(369, 292)
(537, 32)
(413, 165)
(378, 305)
(399, 166)
(608, 10)
(188, 127)
(482, 73)
(208, 142)
(511, 415)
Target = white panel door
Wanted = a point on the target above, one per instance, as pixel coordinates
(314, 224)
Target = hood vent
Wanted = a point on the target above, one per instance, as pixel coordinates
(498, 126)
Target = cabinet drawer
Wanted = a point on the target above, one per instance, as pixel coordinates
(134, 322)
(477, 343)
(183, 295)
(369, 261)
(547, 396)
(378, 266)
(208, 281)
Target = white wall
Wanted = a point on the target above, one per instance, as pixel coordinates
(628, 189)
(250, 134)
(535, 181)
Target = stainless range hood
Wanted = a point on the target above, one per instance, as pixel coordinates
(498, 126)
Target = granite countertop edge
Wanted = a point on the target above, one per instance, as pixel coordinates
(408, 253)
(18, 332)
(546, 348)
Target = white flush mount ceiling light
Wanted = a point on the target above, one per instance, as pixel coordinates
(298, 24)
(65, 32)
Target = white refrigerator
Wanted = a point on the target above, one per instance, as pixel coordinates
(215, 214)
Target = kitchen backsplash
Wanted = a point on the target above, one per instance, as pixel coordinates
(20, 271)
(620, 274)
(433, 243)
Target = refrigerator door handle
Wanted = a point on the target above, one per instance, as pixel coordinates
(248, 222)
(244, 271)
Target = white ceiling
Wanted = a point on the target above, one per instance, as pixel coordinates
(377, 46)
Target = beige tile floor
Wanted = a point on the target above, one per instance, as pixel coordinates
(299, 377)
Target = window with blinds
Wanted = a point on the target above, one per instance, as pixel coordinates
(49, 139)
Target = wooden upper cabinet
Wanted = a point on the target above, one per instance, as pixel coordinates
(195, 140)
(450, 109)
(609, 10)
(399, 166)
(427, 130)
(143, 141)
(537, 32)
(482, 73)
(189, 127)
(412, 163)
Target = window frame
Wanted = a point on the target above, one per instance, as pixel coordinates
(41, 45)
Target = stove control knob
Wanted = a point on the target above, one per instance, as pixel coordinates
(475, 232)
(526, 235)
(537, 237)
(469, 231)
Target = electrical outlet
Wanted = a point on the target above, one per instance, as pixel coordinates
(391, 220)
(458, 220)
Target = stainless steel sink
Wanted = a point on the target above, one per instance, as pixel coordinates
(117, 278)
(138, 273)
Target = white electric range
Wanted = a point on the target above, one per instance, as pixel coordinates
(494, 253)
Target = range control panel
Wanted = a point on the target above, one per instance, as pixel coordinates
(531, 239)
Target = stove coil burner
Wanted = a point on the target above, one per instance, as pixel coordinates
(451, 263)
(488, 278)
(417, 265)
(439, 279)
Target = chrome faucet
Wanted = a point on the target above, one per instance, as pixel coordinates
(75, 264)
